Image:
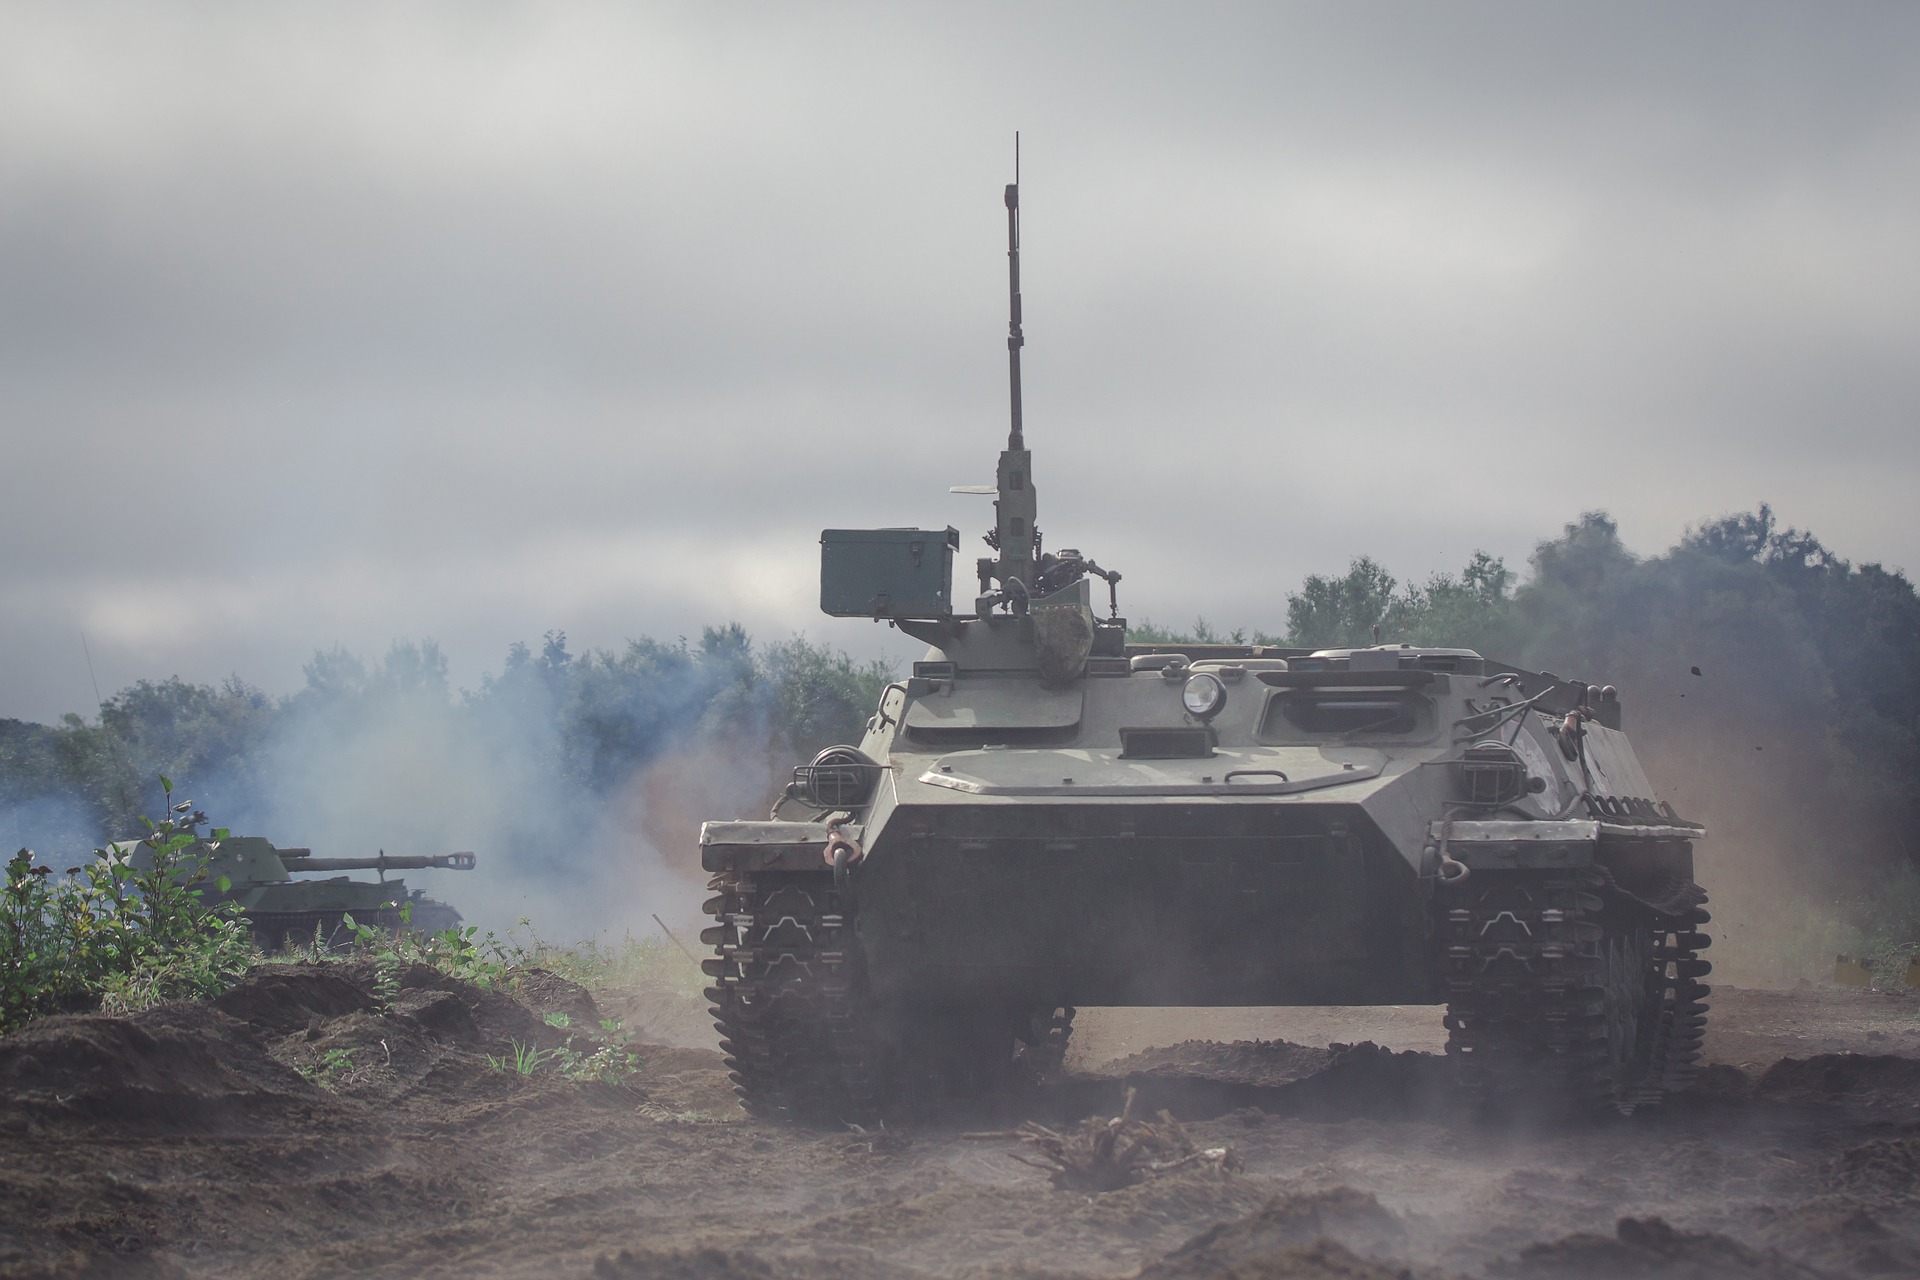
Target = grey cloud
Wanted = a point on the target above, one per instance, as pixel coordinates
(470, 322)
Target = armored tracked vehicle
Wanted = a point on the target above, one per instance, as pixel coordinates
(1043, 816)
(283, 911)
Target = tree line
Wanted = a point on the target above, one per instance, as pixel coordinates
(1772, 686)
(554, 732)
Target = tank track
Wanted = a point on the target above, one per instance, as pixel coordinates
(802, 1040)
(1567, 983)
(786, 1001)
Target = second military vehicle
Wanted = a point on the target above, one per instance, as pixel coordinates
(282, 911)
(1043, 816)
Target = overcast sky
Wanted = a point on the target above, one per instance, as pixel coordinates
(340, 323)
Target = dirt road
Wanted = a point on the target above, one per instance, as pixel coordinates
(187, 1141)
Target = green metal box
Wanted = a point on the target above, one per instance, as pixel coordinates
(887, 573)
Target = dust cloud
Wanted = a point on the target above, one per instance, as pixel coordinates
(1784, 861)
(574, 860)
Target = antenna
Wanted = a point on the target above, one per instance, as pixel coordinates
(89, 655)
(1016, 439)
(1014, 538)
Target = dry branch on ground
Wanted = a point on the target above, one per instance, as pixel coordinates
(1107, 1154)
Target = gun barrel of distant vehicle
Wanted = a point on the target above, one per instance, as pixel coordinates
(384, 862)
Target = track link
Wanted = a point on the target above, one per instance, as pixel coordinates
(1566, 983)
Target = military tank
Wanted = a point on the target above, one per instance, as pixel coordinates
(283, 911)
(1043, 816)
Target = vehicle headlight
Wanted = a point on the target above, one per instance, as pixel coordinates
(839, 778)
(1203, 695)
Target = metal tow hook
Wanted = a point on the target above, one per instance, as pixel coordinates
(1451, 870)
(842, 851)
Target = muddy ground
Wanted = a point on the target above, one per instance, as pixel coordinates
(308, 1124)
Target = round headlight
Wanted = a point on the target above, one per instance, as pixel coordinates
(1203, 695)
(838, 778)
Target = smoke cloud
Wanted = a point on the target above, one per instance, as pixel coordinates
(580, 780)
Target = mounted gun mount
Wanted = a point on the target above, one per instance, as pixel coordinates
(284, 912)
(898, 575)
(1043, 816)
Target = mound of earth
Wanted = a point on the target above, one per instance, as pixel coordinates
(1202, 1079)
(1648, 1247)
(1879, 1081)
(734, 1264)
(1717, 1085)
(1885, 1169)
(1843, 1236)
(1321, 1260)
(178, 1068)
(120, 1137)
(286, 998)
(1268, 1063)
(1366, 1079)
(1297, 1235)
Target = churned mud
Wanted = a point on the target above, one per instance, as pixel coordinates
(326, 1121)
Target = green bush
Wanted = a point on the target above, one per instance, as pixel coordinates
(125, 931)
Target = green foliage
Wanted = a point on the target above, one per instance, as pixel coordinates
(1328, 612)
(1202, 632)
(1471, 610)
(126, 930)
(461, 952)
(334, 1065)
(1467, 611)
(465, 953)
(524, 1060)
(609, 1062)
(819, 696)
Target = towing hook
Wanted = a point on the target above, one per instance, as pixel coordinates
(842, 852)
(1448, 869)
(842, 856)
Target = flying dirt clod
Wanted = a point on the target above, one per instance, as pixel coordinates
(1044, 816)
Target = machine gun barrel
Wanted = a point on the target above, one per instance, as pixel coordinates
(301, 860)
(1016, 338)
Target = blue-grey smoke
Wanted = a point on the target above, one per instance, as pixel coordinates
(578, 780)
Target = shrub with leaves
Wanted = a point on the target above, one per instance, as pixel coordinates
(608, 1062)
(461, 952)
(125, 931)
